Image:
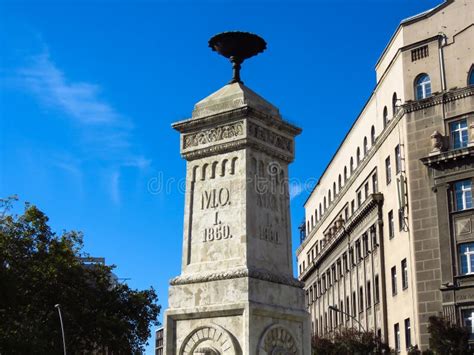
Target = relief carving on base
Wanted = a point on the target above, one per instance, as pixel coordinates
(277, 340)
(210, 340)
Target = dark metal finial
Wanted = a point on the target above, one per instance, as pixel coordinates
(237, 46)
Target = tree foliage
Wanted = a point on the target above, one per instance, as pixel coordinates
(447, 338)
(39, 269)
(348, 341)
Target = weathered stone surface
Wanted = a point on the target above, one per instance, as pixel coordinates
(236, 293)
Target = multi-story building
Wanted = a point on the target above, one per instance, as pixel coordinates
(159, 341)
(389, 228)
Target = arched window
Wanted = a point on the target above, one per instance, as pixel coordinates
(358, 156)
(372, 135)
(352, 165)
(422, 86)
(345, 174)
(329, 197)
(366, 147)
(470, 77)
(339, 182)
(394, 104)
(334, 190)
(320, 210)
(316, 215)
(325, 204)
(385, 117)
(312, 221)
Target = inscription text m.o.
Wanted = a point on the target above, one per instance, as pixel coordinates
(215, 198)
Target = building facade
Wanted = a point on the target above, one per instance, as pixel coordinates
(159, 341)
(388, 233)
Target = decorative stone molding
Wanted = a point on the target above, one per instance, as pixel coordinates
(259, 274)
(434, 100)
(265, 135)
(277, 340)
(210, 340)
(213, 135)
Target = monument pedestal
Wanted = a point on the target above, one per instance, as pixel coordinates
(236, 293)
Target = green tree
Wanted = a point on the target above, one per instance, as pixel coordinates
(447, 338)
(39, 269)
(349, 341)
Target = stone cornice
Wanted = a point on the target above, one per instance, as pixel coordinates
(438, 99)
(356, 219)
(259, 274)
(192, 124)
(437, 161)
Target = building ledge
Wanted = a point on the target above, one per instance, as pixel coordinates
(438, 159)
(439, 98)
(367, 206)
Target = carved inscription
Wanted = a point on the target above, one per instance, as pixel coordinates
(268, 234)
(213, 135)
(212, 199)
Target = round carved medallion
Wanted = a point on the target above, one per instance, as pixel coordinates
(209, 340)
(277, 340)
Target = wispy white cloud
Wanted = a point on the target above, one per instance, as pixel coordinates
(79, 100)
(106, 135)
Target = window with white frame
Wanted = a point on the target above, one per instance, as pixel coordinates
(459, 134)
(463, 195)
(466, 258)
(396, 331)
(422, 86)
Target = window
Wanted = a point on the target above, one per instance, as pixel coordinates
(358, 156)
(394, 104)
(388, 170)
(468, 321)
(372, 135)
(396, 333)
(366, 146)
(359, 198)
(369, 295)
(312, 221)
(394, 280)
(346, 213)
(352, 165)
(407, 333)
(365, 241)
(361, 299)
(339, 182)
(376, 289)
(373, 236)
(329, 197)
(419, 53)
(366, 190)
(354, 303)
(375, 185)
(391, 229)
(352, 206)
(466, 258)
(404, 274)
(459, 134)
(470, 77)
(334, 191)
(325, 204)
(398, 159)
(463, 195)
(385, 117)
(358, 251)
(422, 86)
(344, 262)
(345, 174)
(347, 308)
(401, 219)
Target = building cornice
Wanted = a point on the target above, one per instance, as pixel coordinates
(370, 204)
(438, 99)
(437, 161)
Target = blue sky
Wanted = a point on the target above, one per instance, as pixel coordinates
(89, 89)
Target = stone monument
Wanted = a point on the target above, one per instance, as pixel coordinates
(236, 293)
